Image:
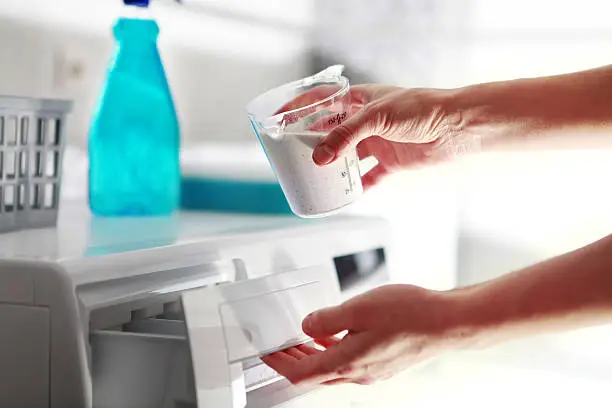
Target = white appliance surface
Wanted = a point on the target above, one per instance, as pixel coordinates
(80, 239)
(171, 311)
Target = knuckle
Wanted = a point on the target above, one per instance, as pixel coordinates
(343, 134)
(381, 118)
(374, 113)
(385, 121)
(347, 370)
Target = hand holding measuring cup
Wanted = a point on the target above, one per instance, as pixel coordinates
(401, 128)
(324, 121)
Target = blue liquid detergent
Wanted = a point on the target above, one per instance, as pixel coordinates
(134, 135)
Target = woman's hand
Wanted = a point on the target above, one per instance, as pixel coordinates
(389, 329)
(407, 127)
(396, 326)
(401, 127)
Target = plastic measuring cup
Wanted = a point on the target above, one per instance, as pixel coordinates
(309, 108)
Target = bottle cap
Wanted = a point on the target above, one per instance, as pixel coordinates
(137, 3)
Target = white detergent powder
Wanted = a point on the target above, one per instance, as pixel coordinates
(312, 191)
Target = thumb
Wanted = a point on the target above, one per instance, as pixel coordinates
(363, 124)
(326, 322)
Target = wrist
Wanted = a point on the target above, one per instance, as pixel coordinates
(473, 317)
(466, 123)
(501, 115)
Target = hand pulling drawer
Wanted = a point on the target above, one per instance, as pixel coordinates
(259, 316)
(231, 323)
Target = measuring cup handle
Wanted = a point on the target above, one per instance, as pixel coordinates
(366, 164)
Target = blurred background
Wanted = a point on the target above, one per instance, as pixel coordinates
(454, 224)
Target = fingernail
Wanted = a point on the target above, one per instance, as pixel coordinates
(307, 322)
(323, 154)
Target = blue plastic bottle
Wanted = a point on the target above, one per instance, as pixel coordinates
(134, 135)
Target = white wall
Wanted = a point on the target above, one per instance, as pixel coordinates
(401, 42)
(217, 56)
(525, 38)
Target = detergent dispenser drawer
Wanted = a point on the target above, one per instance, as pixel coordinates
(231, 324)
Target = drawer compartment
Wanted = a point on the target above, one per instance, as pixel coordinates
(140, 370)
(147, 367)
(157, 326)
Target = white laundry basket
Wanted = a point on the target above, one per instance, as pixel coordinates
(32, 140)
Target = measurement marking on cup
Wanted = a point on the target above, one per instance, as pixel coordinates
(348, 174)
(338, 119)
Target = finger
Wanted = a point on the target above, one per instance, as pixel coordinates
(365, 149)
(365, 123)
(374, 146)
(373, 177)
(328, 342)
(279, 362)
(295, 353)
(308, 350)
(331, 364)
(327, 322)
